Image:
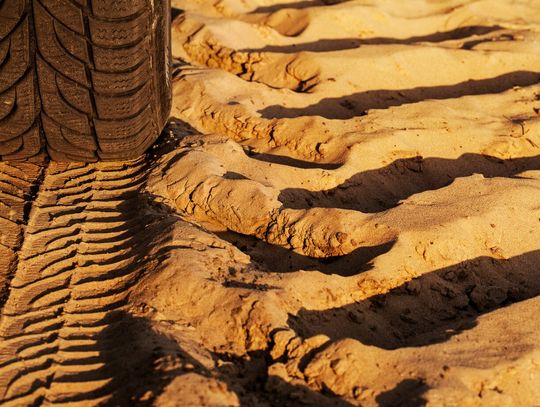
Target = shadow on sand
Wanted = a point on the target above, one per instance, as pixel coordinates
(357, 104)
(381, 189)
(431, 308)
(341, 44)
(142, 362)
(280, 260)
(298, 5)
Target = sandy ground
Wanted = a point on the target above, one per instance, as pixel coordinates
(343, 211)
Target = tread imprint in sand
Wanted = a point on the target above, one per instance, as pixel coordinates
(83, 250)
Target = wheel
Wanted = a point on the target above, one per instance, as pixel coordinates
(83, 80)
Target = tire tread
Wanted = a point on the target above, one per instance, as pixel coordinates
(84, 80)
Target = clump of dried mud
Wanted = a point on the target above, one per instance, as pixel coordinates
(344, 210)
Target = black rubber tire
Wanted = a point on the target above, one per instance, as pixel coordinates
(83, 80)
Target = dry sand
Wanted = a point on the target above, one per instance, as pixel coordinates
(344, 210)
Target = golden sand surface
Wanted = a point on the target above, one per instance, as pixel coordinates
(343, 211)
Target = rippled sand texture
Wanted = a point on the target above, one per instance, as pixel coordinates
(343, 211)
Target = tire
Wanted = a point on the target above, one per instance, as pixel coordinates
(83, 80)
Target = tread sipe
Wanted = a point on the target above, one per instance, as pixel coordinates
(83, 80)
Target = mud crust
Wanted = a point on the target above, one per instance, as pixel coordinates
(83, 80)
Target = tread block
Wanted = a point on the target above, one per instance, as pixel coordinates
(61, 156)
(52, 51)
(121, 107)
(128, 144)
(125, 154)
(119, 34)
(32, 144)
(118, 9)
(55, 106)
(74, 44)
(127, 128)
(11, 13)
(18, 58)
(4, 51)
(11, 146)
(65, 140)
(121, 59)
(83, 141)
(75, 95)
(110, 83)
(70, 15)
(7, 103)
(24, 113)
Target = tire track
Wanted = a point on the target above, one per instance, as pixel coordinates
(89, 238)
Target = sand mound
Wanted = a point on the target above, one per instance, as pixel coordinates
(343, 211)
